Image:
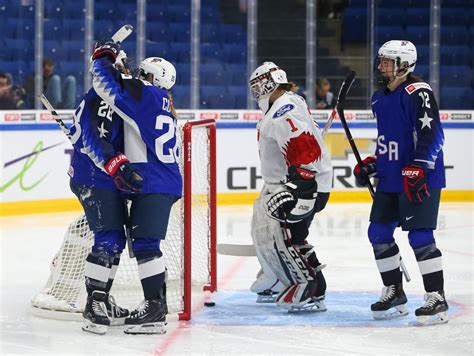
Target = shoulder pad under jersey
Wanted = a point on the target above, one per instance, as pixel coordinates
(411, 88)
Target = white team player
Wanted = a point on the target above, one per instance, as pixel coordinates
(297, 172)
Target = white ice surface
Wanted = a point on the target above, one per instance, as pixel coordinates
(238, 326)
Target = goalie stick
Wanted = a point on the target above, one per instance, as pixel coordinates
(249, 250)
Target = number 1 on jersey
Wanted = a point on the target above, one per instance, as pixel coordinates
(293, 127)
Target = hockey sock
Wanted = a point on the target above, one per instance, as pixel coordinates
(97, 271)
(113, 271)
(431, 267)
(152, 276)
(387, 257)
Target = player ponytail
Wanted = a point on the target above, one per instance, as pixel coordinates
(414, 78)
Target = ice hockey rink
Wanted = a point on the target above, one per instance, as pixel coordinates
(237, 325)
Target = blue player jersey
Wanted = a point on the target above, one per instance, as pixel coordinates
(409, 131)
(149, 126)
(97, 136)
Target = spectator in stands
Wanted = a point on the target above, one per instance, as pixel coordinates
(11, 97)
(295, 88)
(62, 95)
(324, 97)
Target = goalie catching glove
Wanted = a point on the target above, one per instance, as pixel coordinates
(126, 176)
(295, 200)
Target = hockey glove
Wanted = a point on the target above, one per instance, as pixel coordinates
(367, 170)
(126, 177)
(106, 48)
(296, 199)
(414, 183)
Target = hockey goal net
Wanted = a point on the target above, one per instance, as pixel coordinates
(189, 249)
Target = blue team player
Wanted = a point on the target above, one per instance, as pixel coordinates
(410, 171)
(97, 138)
(146, 172)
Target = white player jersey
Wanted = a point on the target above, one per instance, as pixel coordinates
(288, 136)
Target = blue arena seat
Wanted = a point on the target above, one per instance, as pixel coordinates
(418, 16)
(387, 33)
(180, 32)
(455, 55)
(157, 31)
(419, 35)
(455, 75)
(390, 17)
(453, 17)
(456, 97)
(454, 35)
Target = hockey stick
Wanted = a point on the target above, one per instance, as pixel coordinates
(122, 34)
(340, 111)
(341, 97)
(249, 250)
(56, 117)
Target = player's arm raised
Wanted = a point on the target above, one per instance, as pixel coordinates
(121, 92)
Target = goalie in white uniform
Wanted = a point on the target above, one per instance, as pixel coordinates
(297, 172)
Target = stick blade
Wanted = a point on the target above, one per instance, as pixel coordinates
(122, 33)
(346, 85)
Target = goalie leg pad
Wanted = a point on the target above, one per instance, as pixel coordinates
(275, 252)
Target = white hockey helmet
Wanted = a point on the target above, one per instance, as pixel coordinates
(164, 73)
(403, 54)
(264, 81)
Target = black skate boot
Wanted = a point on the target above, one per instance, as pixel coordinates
(116, 314)
(95, 313)
(392, 303)
(148, 318)
(434, 311)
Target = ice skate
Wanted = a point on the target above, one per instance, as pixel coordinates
(116, 314)
(296, 298)
(148, 318)
(267, 287)
(95, 313)
(434, 311)
(267, 296)
(392, 303)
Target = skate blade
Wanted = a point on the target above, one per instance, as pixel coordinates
(440, 318)
(94, 328)
(394, 312)
(147, 329)
(313, 306)
(266, 299)
(118, 321)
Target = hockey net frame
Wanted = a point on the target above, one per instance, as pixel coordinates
(47, 303)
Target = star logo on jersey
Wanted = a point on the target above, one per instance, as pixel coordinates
(102, 130)
(425, 121)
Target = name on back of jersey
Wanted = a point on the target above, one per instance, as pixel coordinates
(410, 89)
(284, 109)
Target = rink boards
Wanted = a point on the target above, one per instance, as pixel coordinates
(36, 155)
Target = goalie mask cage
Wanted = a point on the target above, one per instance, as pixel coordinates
(189, 249)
